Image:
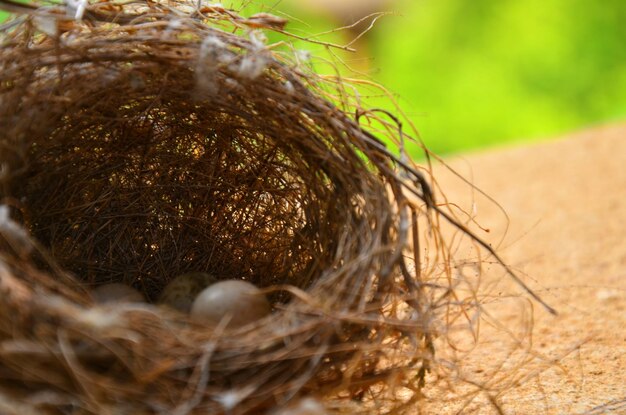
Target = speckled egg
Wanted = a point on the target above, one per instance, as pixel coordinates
(116, 293)
(239, 301)
(180, 293)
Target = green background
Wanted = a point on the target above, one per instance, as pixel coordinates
(476, 73)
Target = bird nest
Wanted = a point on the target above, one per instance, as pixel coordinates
(146, 140)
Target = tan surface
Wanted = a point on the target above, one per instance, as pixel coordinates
(566, 200)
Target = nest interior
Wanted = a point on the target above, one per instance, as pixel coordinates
(141, 186)
(134, 149)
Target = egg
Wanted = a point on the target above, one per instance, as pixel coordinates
(180, 293)
(239, 301)
(116, 293)
(305, 406)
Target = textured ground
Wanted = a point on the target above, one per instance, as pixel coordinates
(566, 203)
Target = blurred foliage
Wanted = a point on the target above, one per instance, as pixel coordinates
(476, 73)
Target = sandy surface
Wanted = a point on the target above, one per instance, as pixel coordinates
(566, 203)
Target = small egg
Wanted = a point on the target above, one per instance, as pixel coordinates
(116, 293)
(180, 293)
(240, 301)
(305, 406)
